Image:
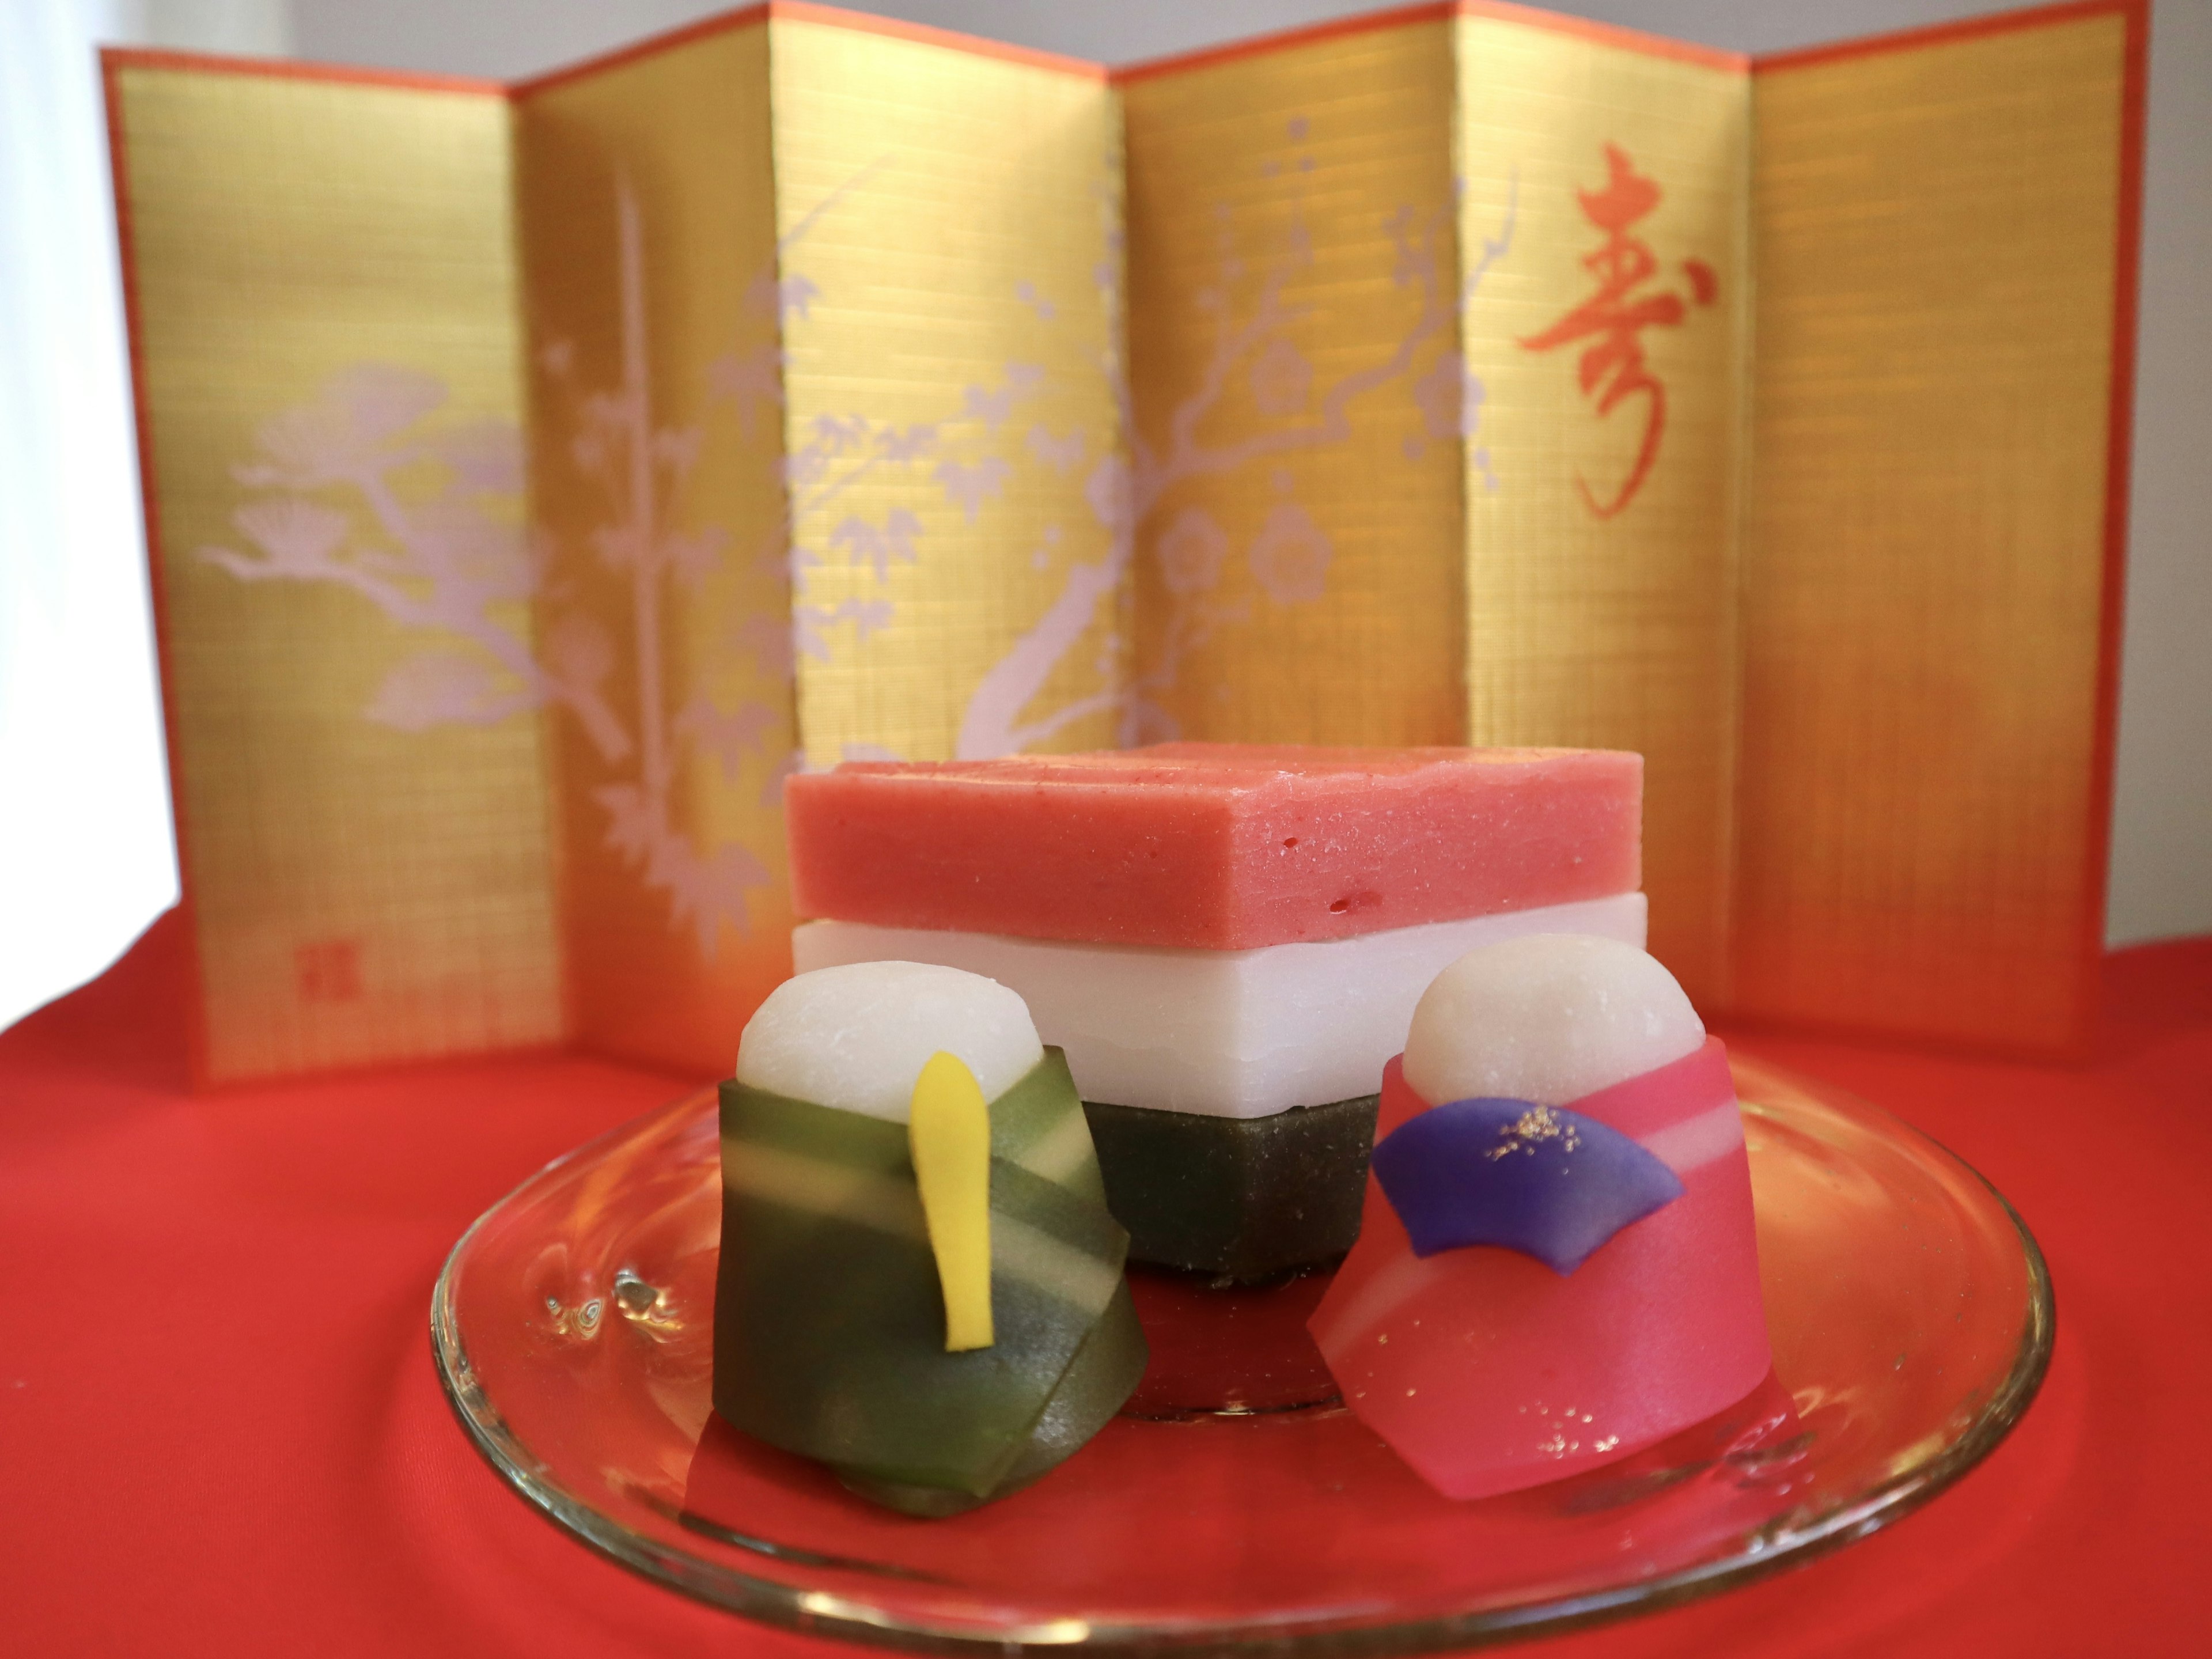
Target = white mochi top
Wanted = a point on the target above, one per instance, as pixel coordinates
(1548, 1018)
(856, 1038)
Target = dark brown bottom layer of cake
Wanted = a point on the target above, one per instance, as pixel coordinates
(1244, 1199)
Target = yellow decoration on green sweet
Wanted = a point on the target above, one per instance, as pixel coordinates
(948, 1133)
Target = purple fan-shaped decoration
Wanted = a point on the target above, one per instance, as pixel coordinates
(1541, 1180)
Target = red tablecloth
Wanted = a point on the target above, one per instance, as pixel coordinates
(221, 1432)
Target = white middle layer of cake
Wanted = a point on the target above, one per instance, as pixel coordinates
(1226, 1033)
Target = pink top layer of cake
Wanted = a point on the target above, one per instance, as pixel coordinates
(1214, 845)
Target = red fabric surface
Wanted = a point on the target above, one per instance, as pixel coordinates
(221, 1432)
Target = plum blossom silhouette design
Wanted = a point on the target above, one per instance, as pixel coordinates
(972, 484)
(1058, 453)
(1190, 551)
(1290, 556)
(346, 501)
(1281, 378)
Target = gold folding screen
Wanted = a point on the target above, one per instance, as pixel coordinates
(1606, 197)
(1295, 371)
(951, 246)
(1437, 385)
(1946, 244)
(1462, 373)
(647, 219)
(325, 322)
(821, 378)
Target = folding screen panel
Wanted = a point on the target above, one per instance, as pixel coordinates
(325, 326)
(1946, 232)
(648, 216)
(950, 237)
(1607, 293)
(1295, 347)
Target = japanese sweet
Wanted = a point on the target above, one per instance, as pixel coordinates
(921, 1285)
(1556, 1265)
(1228, 940)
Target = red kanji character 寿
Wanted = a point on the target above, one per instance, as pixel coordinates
(1614, 368)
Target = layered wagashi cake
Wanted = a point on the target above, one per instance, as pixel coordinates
(1227, 940)
(920, 1284)
(1556, 1265)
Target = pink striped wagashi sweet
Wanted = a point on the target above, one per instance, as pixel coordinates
(1557, 1264)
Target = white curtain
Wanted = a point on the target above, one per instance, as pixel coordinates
(86, 859)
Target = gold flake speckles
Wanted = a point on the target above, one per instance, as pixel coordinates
(1538, 1123)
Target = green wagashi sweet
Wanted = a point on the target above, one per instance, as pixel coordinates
(831, 1330)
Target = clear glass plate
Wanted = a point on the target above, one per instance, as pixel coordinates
(1911, 1319)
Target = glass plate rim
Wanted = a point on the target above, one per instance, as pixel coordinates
(815, 1613)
